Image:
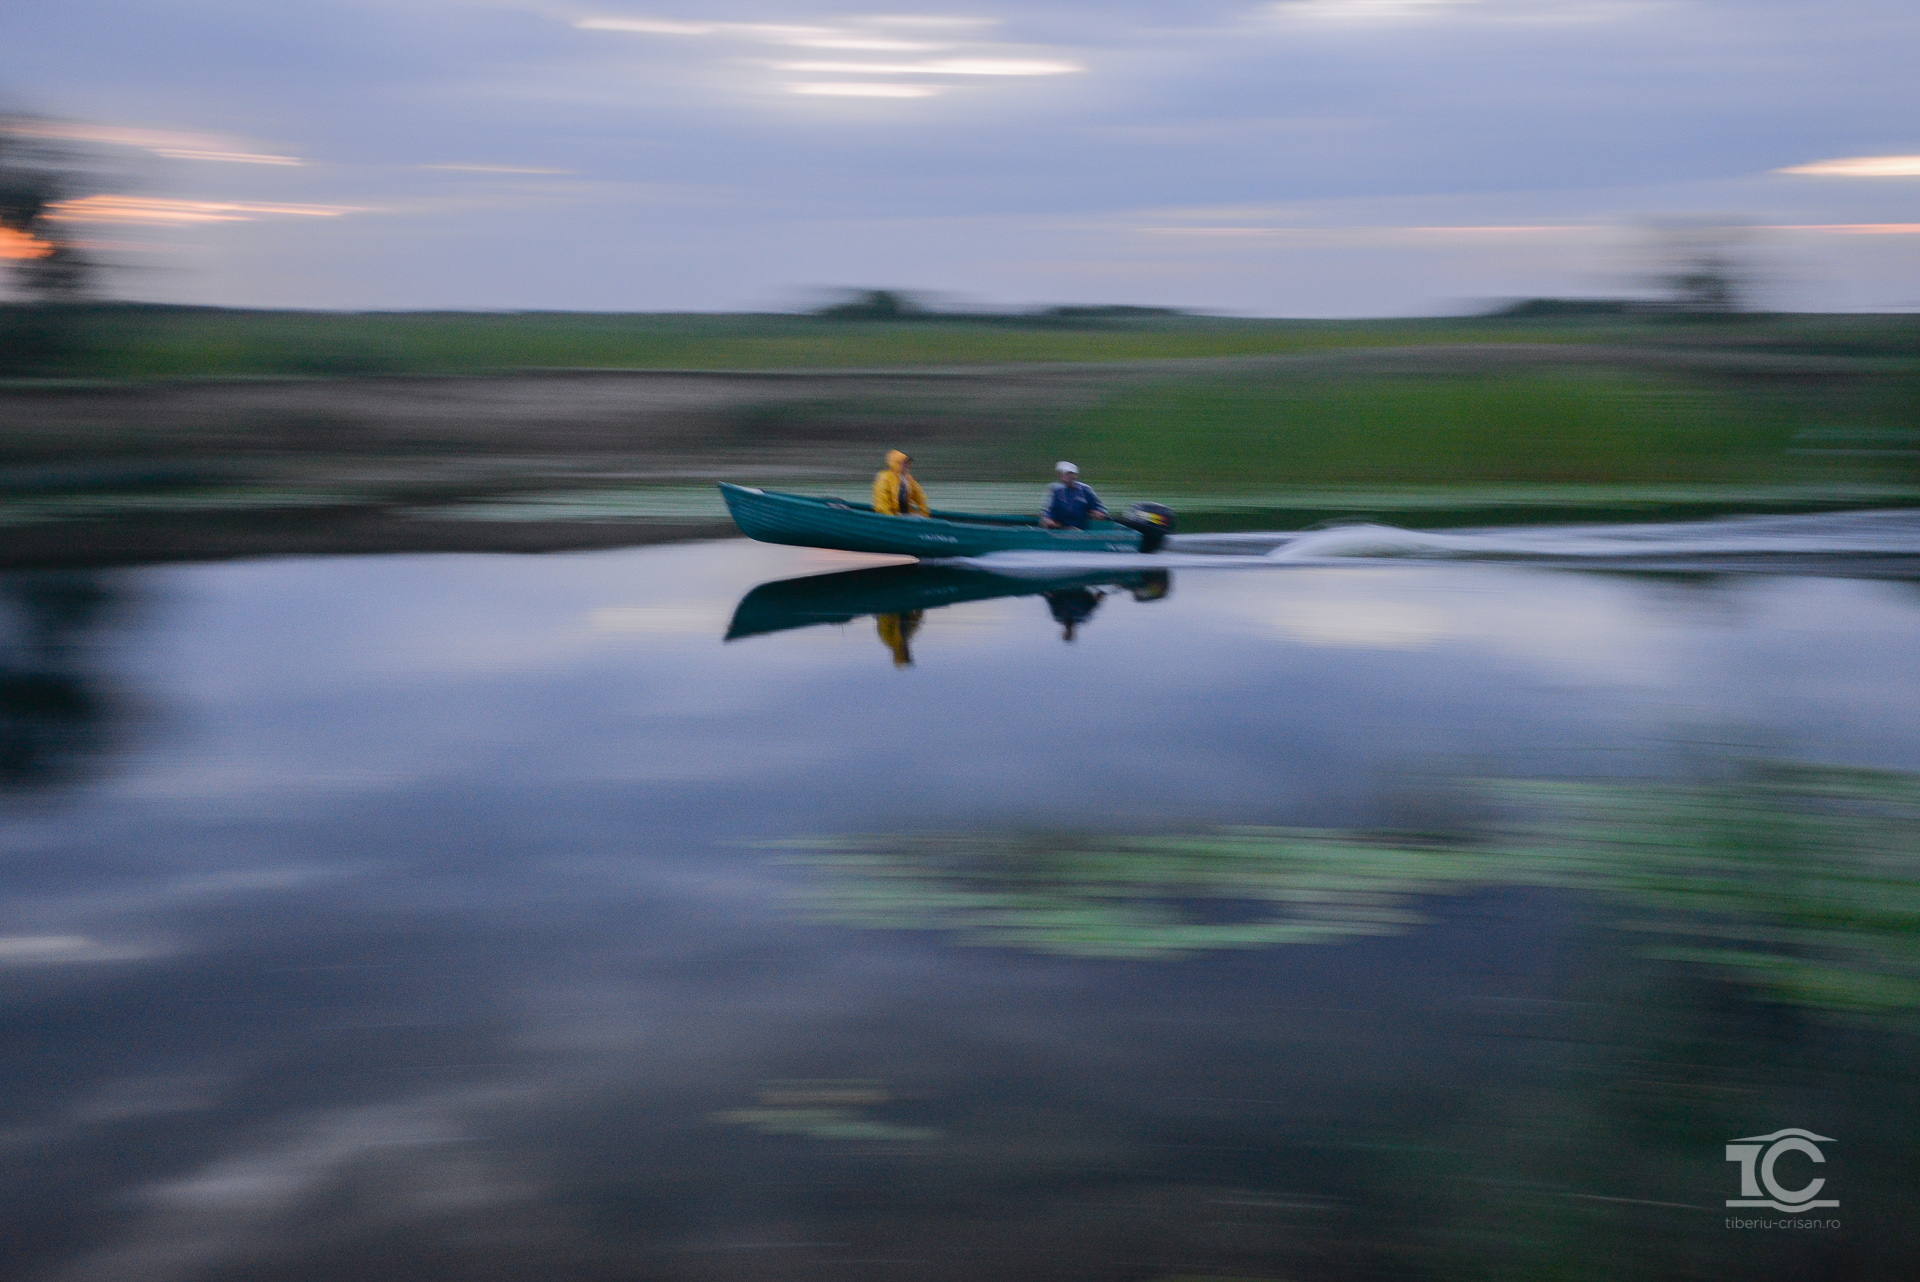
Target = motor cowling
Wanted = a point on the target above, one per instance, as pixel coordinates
(1154, 521)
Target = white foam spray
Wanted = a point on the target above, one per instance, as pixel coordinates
(1752, 541)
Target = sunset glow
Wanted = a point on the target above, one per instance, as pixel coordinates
(152, 212)
(19, 245)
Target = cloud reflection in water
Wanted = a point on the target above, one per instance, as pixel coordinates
(474, 1008)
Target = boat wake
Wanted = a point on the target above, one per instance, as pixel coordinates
(1880, 544)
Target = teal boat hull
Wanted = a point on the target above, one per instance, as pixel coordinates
(811, 522)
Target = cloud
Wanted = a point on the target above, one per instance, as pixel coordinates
(155, 212)
(1366, 10)
(1473, 113)
(1853, 229)
(867, 32)
(943, 67)
(650, 26)
(1860, 167)
(497, 169)
(18, 244)
(1377, 12)
(228, 157)
(876, 43)
(1362, 234)
(864, 89)
(871, 34)
(1508, 229)
(174, 146)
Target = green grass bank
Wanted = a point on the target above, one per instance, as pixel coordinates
(132, 341)
(1568, 426)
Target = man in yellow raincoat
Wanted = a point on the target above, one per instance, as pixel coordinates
(895, 492)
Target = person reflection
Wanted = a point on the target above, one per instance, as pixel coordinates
(1072, 607)
(896, 630)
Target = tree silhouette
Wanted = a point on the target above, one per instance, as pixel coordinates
(35, 176)
(49, 268)
(1705, 269)
(875, 304)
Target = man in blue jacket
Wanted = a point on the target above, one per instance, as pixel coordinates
(1070, 502)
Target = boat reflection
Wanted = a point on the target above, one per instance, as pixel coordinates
(899, 596)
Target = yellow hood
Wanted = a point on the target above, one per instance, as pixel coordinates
(887, 485)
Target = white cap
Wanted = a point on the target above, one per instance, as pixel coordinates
(1064, 466)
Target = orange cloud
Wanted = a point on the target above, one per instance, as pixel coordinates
(152, 212)
(18, 244)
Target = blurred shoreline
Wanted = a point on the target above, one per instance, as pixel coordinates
(347, 531)
(1709, 421)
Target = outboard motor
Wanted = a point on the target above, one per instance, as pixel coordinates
(1153, 520)
(1149, 585)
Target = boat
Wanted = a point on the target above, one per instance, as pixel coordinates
(817, 599)
(824, 522)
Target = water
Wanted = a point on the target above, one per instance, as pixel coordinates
(477, 916)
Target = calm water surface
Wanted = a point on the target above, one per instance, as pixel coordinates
(426, 917)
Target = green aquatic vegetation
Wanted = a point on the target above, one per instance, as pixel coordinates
(1127, 897)
(1802, 881)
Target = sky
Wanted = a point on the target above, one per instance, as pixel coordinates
(1300, 158)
